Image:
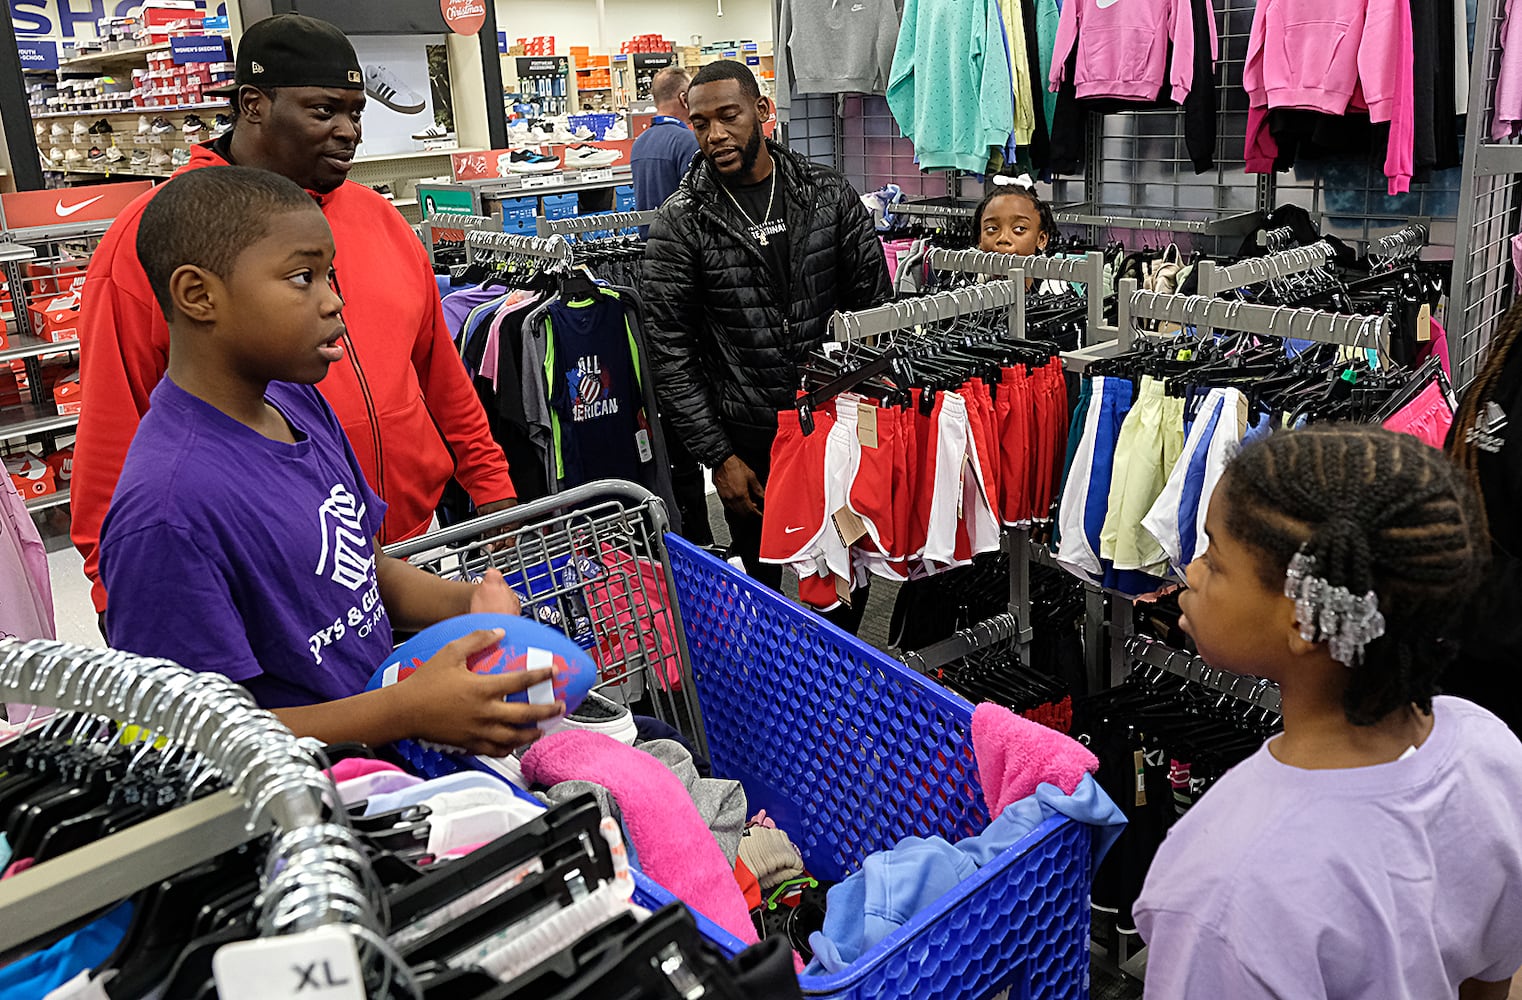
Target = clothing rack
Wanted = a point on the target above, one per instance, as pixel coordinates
(1239, 224)
(273, 778)
(1277, 239)
(939, 307)
(453, 221)
(991, 632)
(1087, 270)
(925, 210)
(1403, 244)
(1216, 279)
(1258, 692)
(592, 223)
(554, 248)
(1208, 313)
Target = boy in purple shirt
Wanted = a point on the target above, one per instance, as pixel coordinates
(241, 535)
(1373, 851)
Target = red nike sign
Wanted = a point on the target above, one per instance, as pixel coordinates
(98, 203)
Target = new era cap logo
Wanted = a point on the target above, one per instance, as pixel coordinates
(254, 67)
(354, 76)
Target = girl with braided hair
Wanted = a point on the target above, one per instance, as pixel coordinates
(1374, 848)
(1488, 669)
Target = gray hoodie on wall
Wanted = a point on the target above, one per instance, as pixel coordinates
(835, 47)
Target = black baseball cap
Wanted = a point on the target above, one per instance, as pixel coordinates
(293, 50)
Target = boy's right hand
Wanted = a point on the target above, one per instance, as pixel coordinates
(445, 702)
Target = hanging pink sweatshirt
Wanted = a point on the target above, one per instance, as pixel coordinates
(1315, 55)
(1123, 48)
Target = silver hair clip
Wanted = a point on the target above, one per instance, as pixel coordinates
(1347, 623)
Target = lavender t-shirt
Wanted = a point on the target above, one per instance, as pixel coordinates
(1393, 882)
(226, 551)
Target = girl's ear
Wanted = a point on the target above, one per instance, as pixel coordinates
(1041, 242)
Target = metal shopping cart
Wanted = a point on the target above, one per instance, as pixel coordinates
(592, 563)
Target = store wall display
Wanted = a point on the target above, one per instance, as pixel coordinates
(71, 19)
(690, 22)
(400, 90)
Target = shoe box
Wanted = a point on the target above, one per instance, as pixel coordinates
(518, 215)
(165, 85)
(561, 206)
(16, 384)
(64, 277)
(66, 395)
(57, 320)
(158, 20)
(623, 198)
(647, 43)
(539, 45)
(32, 476)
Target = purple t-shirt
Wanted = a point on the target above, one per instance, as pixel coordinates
(1392, 882)
(226, 551)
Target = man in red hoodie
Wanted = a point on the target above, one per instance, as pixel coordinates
(401, 393)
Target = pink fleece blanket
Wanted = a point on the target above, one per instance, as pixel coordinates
(1015, 755)
(674, 845)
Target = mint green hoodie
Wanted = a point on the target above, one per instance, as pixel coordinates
(950, 90)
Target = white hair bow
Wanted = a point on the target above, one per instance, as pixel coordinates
(1023, 181)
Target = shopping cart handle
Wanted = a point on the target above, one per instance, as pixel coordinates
(535, 510)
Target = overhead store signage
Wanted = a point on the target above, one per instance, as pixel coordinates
(77, 18)
(198, 49)
(654, 60)
(101, 203)
(37, 54)
(464, 17)
(502, 43)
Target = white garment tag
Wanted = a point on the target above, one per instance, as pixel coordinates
(642, 445)
(319, 964)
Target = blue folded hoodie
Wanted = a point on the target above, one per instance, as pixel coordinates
(892, 886)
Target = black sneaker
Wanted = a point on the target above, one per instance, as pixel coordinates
(384, 190)
(194, 125)
(96, 153)
(101, 127)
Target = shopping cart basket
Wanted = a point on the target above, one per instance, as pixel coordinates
(592, 563)
(850, 751)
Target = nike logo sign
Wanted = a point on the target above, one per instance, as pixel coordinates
(65, 211)
(790, 531)
(1102, 4)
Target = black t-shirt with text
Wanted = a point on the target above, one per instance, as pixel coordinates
(768, 230)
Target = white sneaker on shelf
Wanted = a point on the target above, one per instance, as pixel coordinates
(58, 131)
(143, 125)
(584, 157)
(616, 132)
(386, 87)
(74, 157)
(81, 130)
(114, 155)
(158, 159)
(433, 132)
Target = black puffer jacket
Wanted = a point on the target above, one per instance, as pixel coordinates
(726, 333)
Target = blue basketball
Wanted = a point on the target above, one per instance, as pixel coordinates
(526, 645)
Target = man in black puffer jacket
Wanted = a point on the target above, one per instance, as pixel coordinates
(743, 268)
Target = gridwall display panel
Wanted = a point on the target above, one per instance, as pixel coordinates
(1490, 208)
(850, 751)
(1142, 164)
(874, 152)
(810, 128)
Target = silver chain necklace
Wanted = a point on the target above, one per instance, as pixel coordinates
(769, 199)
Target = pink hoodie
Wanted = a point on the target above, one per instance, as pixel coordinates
(1319, 54)
(1123, 47)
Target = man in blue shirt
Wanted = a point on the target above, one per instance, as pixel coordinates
(664, 151)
